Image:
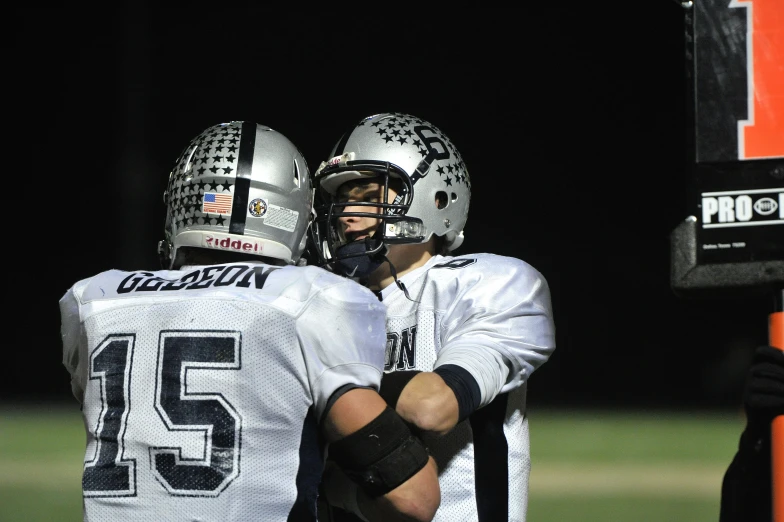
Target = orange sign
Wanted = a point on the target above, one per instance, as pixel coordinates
(762, 134)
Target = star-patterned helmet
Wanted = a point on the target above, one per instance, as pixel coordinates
(241, 187)
(436, 188)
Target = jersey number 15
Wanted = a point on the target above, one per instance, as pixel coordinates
(110, 473)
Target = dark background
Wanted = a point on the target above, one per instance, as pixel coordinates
(571, 120)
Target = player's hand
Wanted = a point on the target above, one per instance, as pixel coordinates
(428, 403)
(763, 397)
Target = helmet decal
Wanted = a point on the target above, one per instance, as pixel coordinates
(212, 153)
(432, 144)
(216, 203)
(257, 207)
(242, 181)
(433, 188)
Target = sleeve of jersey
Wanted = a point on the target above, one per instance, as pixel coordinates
(70, 333)
(499, 325)
(343, 336)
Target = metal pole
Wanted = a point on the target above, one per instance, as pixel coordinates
(776, 339)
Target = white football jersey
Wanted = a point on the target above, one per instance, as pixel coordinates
(491, 315)
(202, 389)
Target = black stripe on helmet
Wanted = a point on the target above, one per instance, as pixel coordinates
(341, 146)
(239, 208)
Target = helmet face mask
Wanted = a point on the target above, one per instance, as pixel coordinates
(392, 215)
(238, 187)
(433, 198)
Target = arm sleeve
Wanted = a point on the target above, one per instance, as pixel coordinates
(70, 333)
(343, 337)
(500, 326)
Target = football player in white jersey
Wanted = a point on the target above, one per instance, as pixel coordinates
(209, 388)
(464, 333)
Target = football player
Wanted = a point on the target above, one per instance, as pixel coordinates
(747, 485)
(464, 332)
(208, 388)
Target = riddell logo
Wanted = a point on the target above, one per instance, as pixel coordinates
(347, 156)
(234, 245)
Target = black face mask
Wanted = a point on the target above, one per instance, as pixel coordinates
(358, 259)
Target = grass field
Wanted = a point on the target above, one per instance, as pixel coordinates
(587, 466)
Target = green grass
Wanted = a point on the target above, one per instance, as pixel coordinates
(41, 454)
(626, 508)
(34, 504)
(635, 467)
(638, 437)
(586, 466)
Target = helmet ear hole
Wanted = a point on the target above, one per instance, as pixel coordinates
(442, 199)
(296, 174)
(454, 197)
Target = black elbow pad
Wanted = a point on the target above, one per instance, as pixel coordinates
(381, 455)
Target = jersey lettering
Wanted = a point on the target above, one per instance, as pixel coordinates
(261, 276)
(401, 350)
(208, 413)
(109, 473)
(454, 264)
(206, 278)
(198, 279)
(393, 340)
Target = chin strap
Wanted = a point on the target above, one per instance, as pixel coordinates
(362, 263)
(398, 282)
(357, 260)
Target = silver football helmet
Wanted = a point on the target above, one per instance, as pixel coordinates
(240, 187)
(435, 195)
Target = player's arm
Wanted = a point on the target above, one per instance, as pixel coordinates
(396, 477)
(432, 401)
(70, 335)
(495, 335)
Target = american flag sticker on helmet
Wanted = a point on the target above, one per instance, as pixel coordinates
(215, 203)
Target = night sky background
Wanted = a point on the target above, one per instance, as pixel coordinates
(571, 120)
